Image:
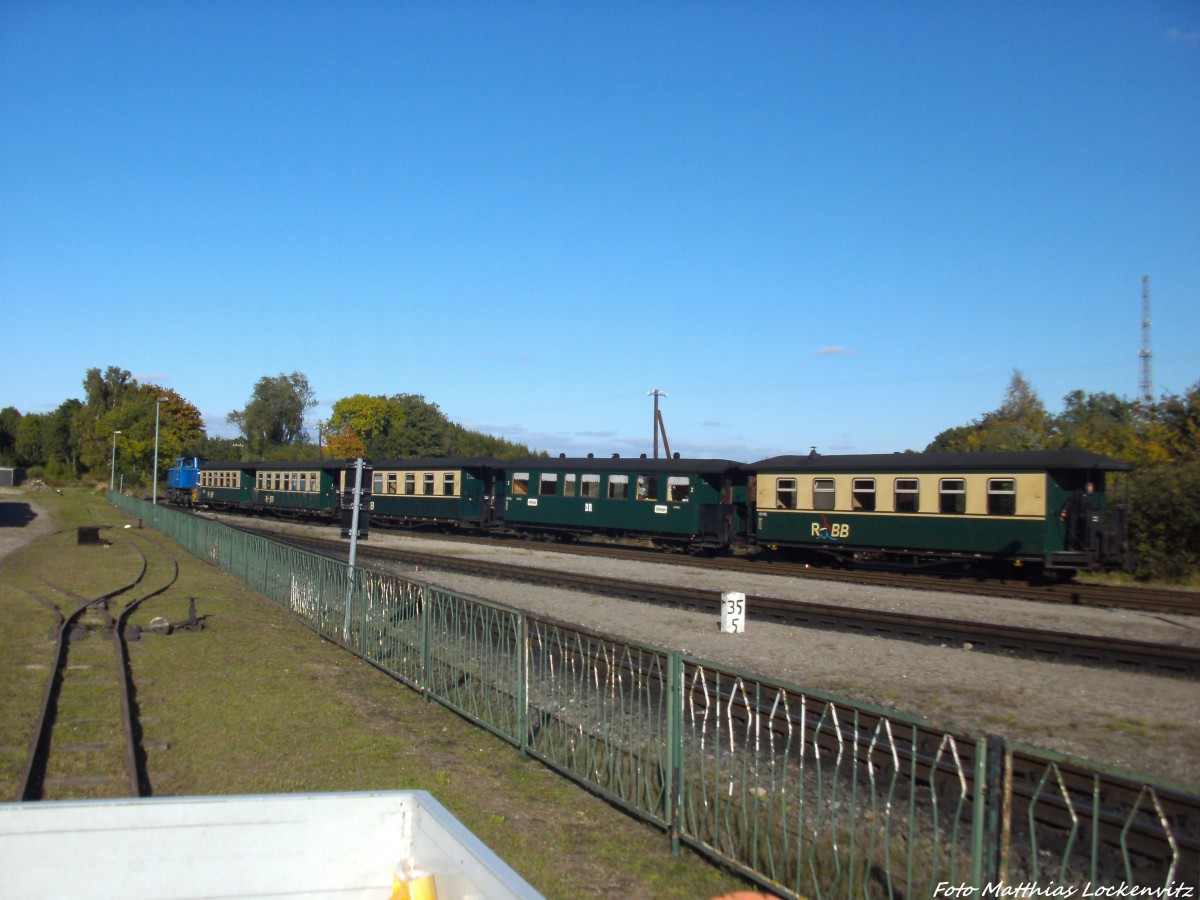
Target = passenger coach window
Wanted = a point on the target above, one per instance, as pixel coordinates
(410, 484)
(520, 485)
(591, 486)
(908, 497)
(549, 484)
(679, 487)
(647, 488)
(448, 484)
(785, 493)
(427, 484)
(618, 487)
(569, 485)
(862, 494)
(952, 496)
(393, 483)
(1002, 497)
(823, 493)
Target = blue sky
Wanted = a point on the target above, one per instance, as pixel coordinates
(810, 224)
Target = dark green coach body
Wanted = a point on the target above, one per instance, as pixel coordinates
(691, 503)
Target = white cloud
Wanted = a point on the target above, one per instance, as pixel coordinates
(1178, 36)
(835, 350)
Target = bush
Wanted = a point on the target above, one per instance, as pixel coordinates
(1164, 521)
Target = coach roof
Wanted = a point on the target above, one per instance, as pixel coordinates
(1012, 461)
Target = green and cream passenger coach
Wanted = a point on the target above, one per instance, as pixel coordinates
(1046, 508)
(308, 488)
(441, 491)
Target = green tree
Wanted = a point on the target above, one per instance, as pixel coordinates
(274, 417)
(61, 440)
(10, 427)
(465, 442)
(104, 395)
(105, 392)
(422, 429)
(1180, 417)
(30, 448)
(1164, 520)
(406, 426)
(1021, 423)
(370, 418)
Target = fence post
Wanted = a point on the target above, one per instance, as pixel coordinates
(675, 748)
(425, 638)
(523, 682)
(990, 789)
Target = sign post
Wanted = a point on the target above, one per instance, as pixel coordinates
(733, 612)
(354, 525)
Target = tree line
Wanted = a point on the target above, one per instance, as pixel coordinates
(112, 430)
(116, 420)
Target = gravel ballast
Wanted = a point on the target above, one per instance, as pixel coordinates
(1143, 723)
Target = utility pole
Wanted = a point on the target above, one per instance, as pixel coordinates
(658, 423)
(1146, 383)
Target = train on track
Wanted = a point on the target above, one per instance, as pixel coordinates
(1047, 510)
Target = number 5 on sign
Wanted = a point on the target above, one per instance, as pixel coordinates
(733, 612)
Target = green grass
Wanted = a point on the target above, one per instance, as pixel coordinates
(257, 703)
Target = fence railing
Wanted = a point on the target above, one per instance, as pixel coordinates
(809, 794)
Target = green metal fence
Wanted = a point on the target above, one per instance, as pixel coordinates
(809, 794)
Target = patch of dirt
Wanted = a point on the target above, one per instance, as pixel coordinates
(21, 520)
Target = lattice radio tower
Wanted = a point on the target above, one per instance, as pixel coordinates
(1145, 381)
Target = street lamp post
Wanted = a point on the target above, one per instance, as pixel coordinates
(154, 490)
(112, 479)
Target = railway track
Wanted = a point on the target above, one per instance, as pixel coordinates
(87, 739)
(1141, 599)
(1032, 643)
(1108, 596)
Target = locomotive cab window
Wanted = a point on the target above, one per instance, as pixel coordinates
(679, 487)
(549, 484)
(520, 484)
(952, 496)
(1002, 497)
(590, 487)
(908, 496)
(785, 493)
(824, 493)
(862, 494)
(618, 487)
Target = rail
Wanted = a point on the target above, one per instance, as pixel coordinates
(807, 793)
